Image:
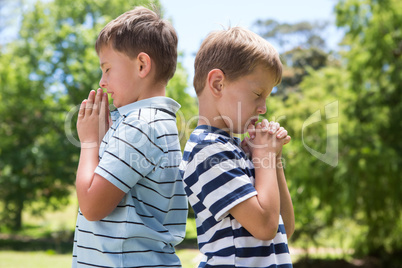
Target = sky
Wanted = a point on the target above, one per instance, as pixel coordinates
(193, 20)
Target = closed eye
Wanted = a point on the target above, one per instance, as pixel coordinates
(258, 94)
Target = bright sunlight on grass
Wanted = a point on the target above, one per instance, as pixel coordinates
(33, 260)
(13, 259)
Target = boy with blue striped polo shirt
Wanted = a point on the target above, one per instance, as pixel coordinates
(133, 207)
(238, 190)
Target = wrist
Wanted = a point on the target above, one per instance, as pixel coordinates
(266, 161)
(280, 162)
(89, 145)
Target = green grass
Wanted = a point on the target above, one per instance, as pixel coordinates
(189, 257)
(33, 260)
(49, 259)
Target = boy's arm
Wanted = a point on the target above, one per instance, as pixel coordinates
(285, 199)
(286, 206)
(97, 197)
(259, 214)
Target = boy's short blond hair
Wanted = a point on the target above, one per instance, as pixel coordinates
(236, 51)
(143, 30)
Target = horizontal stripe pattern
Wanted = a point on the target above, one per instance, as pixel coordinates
(217, 176)
(139, 155)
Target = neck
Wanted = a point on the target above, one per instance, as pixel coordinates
(153, 90)
(209, 115)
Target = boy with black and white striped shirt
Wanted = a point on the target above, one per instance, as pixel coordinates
(238, 190)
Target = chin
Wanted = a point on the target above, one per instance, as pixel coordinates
(239, 131)
(117, 104)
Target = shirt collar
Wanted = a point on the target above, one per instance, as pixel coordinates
(218, 131)
(155, 102)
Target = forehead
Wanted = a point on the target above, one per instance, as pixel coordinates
(108, 55)
(106, 52)
(260, 77)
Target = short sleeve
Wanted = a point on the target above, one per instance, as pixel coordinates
(219, 179)
(130, 154)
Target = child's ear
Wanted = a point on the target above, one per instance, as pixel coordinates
(215, 80)
(144, 64)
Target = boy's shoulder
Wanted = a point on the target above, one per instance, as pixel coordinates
(151, 112)
(151, 108)
(207, 142)
(205, 134)
(147, 123)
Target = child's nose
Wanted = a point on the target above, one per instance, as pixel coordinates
(102, 83)
(262, 109)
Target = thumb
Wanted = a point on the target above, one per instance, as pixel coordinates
(251, 131)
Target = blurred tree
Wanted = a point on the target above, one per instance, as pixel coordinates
(44, 75)
(34, 153)
(315, 120)
(301, 45)
(373, 49)
(356, 103)
(187, 117)
(310, 86)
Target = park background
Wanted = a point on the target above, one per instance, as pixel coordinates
(340, 100)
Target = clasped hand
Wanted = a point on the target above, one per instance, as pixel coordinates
(265, 138)
(93, 119)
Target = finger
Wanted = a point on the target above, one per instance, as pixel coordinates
(98, 100)
(105, 101)
(287, 140)
(106, 110)
(251, 131)
(271, 127)
(265, 125)
(102, 103)
(258, 127)
(277, 126)
(281, 133)
(81, 112)
(90, 103)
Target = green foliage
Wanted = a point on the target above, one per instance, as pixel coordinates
(373, 48)
(35, 154)
(302, 47)
(187, 116)
(361, 182)
(314, 184)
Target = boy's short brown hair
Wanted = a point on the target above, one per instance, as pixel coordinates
(236, 51)
(143, 30)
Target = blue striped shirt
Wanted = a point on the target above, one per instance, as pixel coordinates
(217, 176)
(140, 154)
